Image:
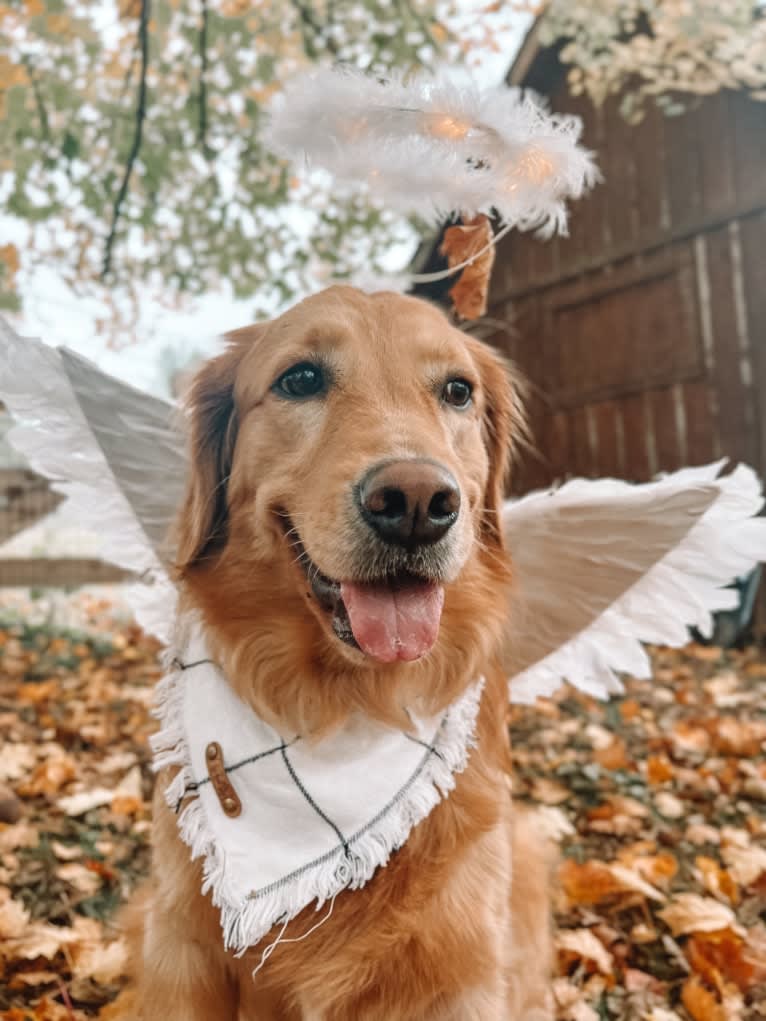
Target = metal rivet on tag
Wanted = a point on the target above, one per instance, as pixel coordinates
(222, 786)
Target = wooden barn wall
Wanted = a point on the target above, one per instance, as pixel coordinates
(643, 333)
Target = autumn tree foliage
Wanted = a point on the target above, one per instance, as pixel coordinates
(130, 138)
(659, 50)
(130, 130)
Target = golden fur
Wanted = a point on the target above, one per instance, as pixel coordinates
(438, 934)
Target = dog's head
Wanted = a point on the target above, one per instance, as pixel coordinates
(343, 513)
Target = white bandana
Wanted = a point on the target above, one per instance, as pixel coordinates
(316, 817)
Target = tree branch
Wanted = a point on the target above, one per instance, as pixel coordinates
(135, 148)
(202, 130)
(41, 111)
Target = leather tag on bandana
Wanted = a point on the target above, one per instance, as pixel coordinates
(222, 786)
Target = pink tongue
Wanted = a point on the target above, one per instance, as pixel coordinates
(391, 624)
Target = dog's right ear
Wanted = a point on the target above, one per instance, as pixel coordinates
(202, 525)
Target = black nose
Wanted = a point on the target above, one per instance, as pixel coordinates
(409, 503)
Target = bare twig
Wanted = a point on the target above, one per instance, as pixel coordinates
(143, 42)
(203, 77)
(40, 104)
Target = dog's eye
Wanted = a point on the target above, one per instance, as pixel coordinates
(457, 392)
(302, 380)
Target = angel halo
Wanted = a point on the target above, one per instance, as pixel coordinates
(437, 147)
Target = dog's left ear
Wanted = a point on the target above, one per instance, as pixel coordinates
(203, 523)
(503, 424)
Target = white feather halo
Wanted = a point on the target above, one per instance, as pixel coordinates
(436, 147)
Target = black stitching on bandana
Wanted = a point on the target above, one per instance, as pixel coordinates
(311, 801)
(425, 744)
(190, 666)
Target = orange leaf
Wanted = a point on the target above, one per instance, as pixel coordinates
(717, 880)
(9, 254)
(126, 804)
(723, 956)
(614, 756)
(49, 777)
(630, 709)
(593, 882)
(657, 869)
(701, 1003)
(658, 769)
(461, 242)
(743, 738)
(587, 883)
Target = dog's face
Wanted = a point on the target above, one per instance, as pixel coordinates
(349, 457)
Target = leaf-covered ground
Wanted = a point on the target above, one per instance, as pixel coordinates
(657, 799)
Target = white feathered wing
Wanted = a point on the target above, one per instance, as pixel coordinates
(55, 435)
(602, 566)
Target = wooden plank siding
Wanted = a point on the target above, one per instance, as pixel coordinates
(643, 333)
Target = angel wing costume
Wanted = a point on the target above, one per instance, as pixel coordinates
(600, 567)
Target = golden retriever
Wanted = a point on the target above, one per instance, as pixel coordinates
(348, 463)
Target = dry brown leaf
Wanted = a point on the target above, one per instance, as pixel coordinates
(83, 879)
(717, 880)
(46, 1010)
(599, 736)
(630, 709)
(702, 833)
(85, 801)
(631, 881)
(124, 805)
(594, 882)
(588, 883)
(668, 805)
(614, 756)
(746, 864)
(130, 785)
(690, 737)
(104, 962)
(38, 939)
(643, 933)
(66, 852)
(732, 736)
(583, 945)
(659, 769)
(701, 1004)
(549, 792)
(689, 912)
(33, 979)
(582, 1011)
(461, 242)
(49, 776)
(725, 957)
(17, 760)
(14, 917)
(657, 869)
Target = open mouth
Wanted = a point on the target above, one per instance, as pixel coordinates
(393, 618)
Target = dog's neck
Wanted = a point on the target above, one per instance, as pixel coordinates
(280, 820)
